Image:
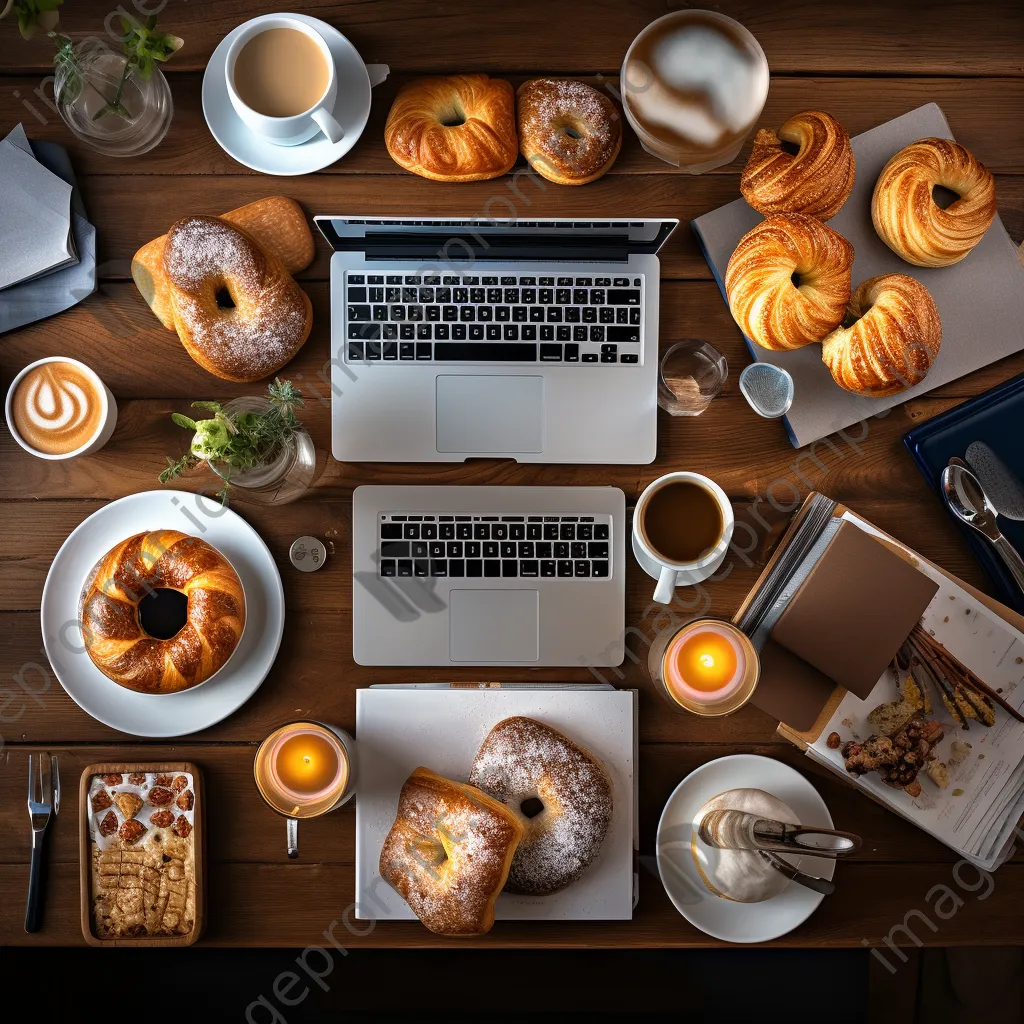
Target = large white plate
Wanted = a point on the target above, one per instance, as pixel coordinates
(175, 714)
(725, 919)
(399, 729)
(351, 111)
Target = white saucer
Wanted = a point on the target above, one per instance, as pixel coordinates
(175, 714)
(351, 110)
(721, 918)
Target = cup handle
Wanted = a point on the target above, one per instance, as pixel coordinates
(328, 125)
(292, 825)
(666, 587)
(377, 73)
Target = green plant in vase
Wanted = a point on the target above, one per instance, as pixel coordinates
(238, 441)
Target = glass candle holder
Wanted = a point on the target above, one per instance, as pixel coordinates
(691, 374)
(707, 667)
(304, 770)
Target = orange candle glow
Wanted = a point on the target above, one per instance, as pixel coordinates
(302, 769)
(708, 667)
(306, 763)
(707, 660)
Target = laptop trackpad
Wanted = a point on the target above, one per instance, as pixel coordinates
(494, 413)
(493, 625)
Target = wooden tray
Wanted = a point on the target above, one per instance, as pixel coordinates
(198, 841)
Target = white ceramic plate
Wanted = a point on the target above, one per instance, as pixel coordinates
(725, 919)
(174, 714)
(351, 111)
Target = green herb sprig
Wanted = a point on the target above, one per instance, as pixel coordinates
(237, 441)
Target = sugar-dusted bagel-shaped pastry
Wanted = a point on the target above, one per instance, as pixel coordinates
(788, 281)
(892, 342)
(448, 853)
(908, 219)
(459, 128)
(113, 636)
(816, 180)
(569, 131)
(237, 311)
(533, 768)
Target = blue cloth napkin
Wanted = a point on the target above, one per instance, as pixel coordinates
(35, 300)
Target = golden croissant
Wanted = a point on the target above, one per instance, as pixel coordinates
(816, 180)
(459, 128)
(788, 281)
(892, 342)
(905, 213)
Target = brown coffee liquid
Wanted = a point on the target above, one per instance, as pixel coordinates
(682, 522)
(56, 408)
(695, 84)
(280, 73)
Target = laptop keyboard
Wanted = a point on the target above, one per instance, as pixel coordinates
(495, 546)
(507, 318)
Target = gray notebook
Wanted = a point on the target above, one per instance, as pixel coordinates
(981, 300)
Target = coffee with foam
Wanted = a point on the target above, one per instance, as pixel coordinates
(694, 84)
(57, 408)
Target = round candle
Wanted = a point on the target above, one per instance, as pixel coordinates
(302, 769)
(706, 663)
(305, 763)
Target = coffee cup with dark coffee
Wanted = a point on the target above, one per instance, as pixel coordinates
(682, 528)
(58, 408)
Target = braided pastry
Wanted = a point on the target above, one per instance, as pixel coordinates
(815, 180)
(773, 309)
(908, 219)
(163, 559)
(892, 342)
(461, 128)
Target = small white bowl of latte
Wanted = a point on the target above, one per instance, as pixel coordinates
(58, 408)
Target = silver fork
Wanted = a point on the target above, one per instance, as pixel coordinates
(39, 812)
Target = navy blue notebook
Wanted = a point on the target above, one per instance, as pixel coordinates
(997, 418)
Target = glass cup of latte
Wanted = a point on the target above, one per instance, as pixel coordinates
(58, 408)
(693, 86)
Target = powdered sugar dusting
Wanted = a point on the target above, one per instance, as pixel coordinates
(523, 759)
(269, 320)
(549, 106)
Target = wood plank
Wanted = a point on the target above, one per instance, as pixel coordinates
(109, 329)
(144, 206)
(876, 36)
(976, 108)
(292, 905)
(241, 829)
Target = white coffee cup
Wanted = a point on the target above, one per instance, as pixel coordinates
(299, 128)
(680, 574)
(108, 411)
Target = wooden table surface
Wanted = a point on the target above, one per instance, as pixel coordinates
(864, 62)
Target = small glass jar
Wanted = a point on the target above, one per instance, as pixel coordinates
(707, 667)
(285, 476)
(690, 376)
(110, 105)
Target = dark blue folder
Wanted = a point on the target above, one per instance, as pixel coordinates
(997, 418)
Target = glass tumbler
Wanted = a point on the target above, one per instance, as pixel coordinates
(692, 372)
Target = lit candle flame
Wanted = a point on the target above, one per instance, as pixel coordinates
(707, 661)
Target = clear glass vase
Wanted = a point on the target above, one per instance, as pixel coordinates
(285, 476)
(93, 81)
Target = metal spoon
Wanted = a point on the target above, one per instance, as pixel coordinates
(967, 500)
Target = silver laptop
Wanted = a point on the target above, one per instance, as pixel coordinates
(456, 339)
(488, 575)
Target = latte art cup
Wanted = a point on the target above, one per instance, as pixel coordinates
(60, 408)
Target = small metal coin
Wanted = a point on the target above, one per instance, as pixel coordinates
(307, 554)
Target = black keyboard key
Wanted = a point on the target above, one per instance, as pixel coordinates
(376, 294)
(380, 313)
(494, 295)
(418, 549)
(474, 567)
(406, 350)
(463, 531)
(582, 568)
(551, 353)
(597, 296)
(599, 569)
(529, 295)
(584, 280)
(502, 314)
(547, 333)
(590, 357)
(572, 353)
(629, 357)
(609, 357)
(492, 568)
(499, 531)
(405, 568)
(494, 332)
(477, 295)
(356, 279)
(490, 549)
(390, 295)
(390, 531)
(572, 314)
(533, 531)
(510, 352)
(624, 297)
(436, 549)
(453, 549)
(394, 278)
(597, 549)
(528, 332)
(517, 531)
(424, 332)
(460, 295)
(456, 567)
(564, 568)
(508, 280)
(376, 279)
(413, 279)
(579, 296)
(623, 334)
(356, 295)
(481, 531)
(511, 297)
(449, 313)
(579, 333)
(508, 549)
(390, 348)
(578, 549)
(590, 315)
(415, 314)
(426, 295)
(529, 568)
(600, 531)
(603, 282)
(525, 549)
(446, 531)
(564, 281)
(509, 568)
(472, 549)
(438, 567)
(359, 314)
(621, 282)
(458, 332)
(564, 334)
(607, 315)
(584, 531)
(411, 531)
(421, 567)
(433, 313)
(634, 316)
(536, 314)
(567, 532)
(476, 332)
(467, 314)
(388, 567)
(519, 314)
(597, 333)
(544, 549)
(551, 531)
(443, 295)
(394, 548)
(562, 549)
(511, 332)
(355, 350)
(441, 332)
(547, 569)
(423, 351)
